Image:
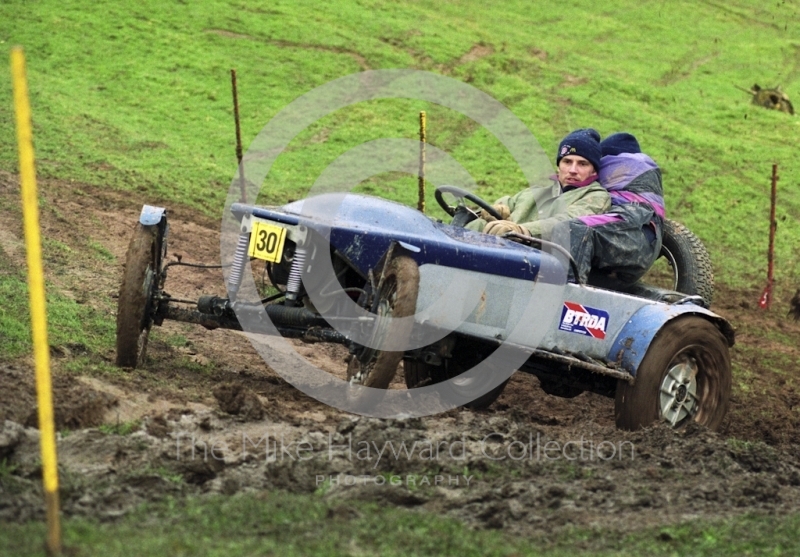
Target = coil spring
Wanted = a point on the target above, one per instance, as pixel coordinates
(237, 268)
(293, 283)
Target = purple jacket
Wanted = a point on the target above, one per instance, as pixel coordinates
(629, 178)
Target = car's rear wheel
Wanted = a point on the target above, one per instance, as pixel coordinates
(684, 264)
(136, 296)
(397, 298)
(685, 376)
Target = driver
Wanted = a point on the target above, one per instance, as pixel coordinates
(575, 192)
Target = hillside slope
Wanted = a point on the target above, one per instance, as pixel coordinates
(138, 97)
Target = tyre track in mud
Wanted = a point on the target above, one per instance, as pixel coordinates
(753, 464)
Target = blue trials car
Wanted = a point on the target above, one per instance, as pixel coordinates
(396, 286)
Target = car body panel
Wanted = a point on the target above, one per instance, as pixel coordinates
(151, 216)
(502, 287)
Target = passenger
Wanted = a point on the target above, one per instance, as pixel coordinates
(618, 247)
(575, 192)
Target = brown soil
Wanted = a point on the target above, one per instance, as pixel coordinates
(209, 416)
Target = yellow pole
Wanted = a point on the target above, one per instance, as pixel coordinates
(422, 140)
(30, 209)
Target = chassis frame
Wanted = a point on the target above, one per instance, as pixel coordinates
(597, 340)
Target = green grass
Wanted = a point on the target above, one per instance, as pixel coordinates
(91, 364)
(138, 98)
(69, 323)
(101, 251)
(121, 428)
(278, 523)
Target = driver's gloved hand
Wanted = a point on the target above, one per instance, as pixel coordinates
(504, 211)
(500, 227)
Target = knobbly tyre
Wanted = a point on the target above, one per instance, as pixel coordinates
(662, 354)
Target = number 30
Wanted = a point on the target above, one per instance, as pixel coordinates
(267, 241)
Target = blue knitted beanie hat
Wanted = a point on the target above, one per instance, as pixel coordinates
(584, 143)
(617, 143)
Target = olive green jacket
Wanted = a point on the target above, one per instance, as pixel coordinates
(538, 209)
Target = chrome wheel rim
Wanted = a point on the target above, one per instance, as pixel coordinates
(673, 265)
(678, 393)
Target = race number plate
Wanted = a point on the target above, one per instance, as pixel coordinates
(266, 242)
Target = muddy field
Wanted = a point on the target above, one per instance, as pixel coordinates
(206, 415)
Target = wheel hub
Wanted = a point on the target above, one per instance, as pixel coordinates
(678, 393)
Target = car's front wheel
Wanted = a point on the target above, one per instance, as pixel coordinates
(136, 296)
(397, 298)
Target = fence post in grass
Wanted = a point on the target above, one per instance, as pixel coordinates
(766, 296)
(238, 136)
(421, 183)
(33, 244)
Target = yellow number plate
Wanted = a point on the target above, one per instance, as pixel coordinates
(266, 242)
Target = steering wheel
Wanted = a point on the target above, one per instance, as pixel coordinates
(462, 194)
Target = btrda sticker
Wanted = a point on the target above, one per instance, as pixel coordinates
(577, 318)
